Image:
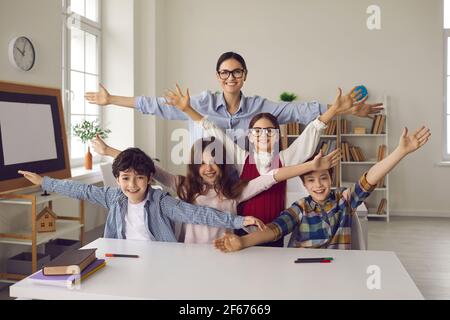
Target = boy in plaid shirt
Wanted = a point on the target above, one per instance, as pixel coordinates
(323, 219)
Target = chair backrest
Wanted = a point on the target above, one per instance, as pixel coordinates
(358, 238)
(108, 177)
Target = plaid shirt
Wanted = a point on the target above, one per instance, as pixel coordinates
(326, 226)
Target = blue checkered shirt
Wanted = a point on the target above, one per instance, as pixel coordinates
(161, 209)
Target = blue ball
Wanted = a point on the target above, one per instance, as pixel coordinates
(363, 90)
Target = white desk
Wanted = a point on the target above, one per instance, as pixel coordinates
(178, 271)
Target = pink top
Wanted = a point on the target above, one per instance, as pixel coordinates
(195, 233)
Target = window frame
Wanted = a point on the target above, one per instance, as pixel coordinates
(94, 28)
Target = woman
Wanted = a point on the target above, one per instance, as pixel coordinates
(229, 109)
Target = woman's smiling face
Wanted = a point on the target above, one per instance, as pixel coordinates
(233, 84)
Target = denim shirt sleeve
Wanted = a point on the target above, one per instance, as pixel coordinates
(159, 107)
(104, 197)
(185, 212)
(286, 112)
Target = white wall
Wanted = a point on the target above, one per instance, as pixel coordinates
(118, 67)
(311, 47)
(41, 22)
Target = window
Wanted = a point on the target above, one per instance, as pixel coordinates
(446, 147)
(81, 67)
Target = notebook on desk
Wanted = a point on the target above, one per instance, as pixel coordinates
(67, 280)
(70, 262)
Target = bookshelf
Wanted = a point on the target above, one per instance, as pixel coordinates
(359, 150)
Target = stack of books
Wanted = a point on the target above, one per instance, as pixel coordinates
(381, 152)
(293, 129)
(327, 146)
(378, 124)
(351, 153)
(69, 268)
(345, 126)
(331, 128)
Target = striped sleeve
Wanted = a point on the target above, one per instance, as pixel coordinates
(287, 221)
(360, 191)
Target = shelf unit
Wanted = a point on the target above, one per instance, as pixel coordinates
(64, 225)
(352, 170)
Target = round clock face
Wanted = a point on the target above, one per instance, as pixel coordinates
(22, 54)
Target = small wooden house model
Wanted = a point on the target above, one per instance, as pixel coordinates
(46, 221)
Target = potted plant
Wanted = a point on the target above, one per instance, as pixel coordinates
(86, 131)
(288, 96)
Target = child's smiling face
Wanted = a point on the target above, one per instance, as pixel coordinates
(318, 184)
(209, 171)
(133, 185)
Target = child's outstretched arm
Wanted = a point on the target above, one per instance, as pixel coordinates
(318, 163)
(72, 189)
(99, 146)
(406, 145)
(367, 182)
(182, 102)
(286, 222)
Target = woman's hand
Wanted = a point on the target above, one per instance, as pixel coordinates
(252, 221)
(324, 163)
(228, 243)
(177, 99)
(32, 177)
(410, 143)
(102, 97)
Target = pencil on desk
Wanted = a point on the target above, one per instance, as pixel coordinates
(116, 255)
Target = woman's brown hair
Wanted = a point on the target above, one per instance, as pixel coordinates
(191, 185)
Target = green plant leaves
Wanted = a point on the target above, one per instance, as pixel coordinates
(88, 130)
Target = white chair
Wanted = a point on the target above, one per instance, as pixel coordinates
(359, 240)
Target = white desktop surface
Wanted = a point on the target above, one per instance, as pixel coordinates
(176, 271)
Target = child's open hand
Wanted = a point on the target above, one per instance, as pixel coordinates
(99, 145)
(177, 99)
(32, 177)
(252, 221)
(324, 163)
(228, 243)
(410, 143)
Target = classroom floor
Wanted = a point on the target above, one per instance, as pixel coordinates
(422, 245)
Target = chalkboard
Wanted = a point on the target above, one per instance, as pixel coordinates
(32, 134)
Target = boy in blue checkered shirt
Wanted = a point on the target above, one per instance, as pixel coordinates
(324, 219)
(135, 210)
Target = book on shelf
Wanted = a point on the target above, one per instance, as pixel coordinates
(378, 124)
(70, 262)
(67, 280)
(381, 152)
(345, 126)
(382, 207)
(331, 128)
(354, 154)
(360, 154)
(293, 129)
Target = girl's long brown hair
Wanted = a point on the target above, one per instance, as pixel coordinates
(191, 186)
